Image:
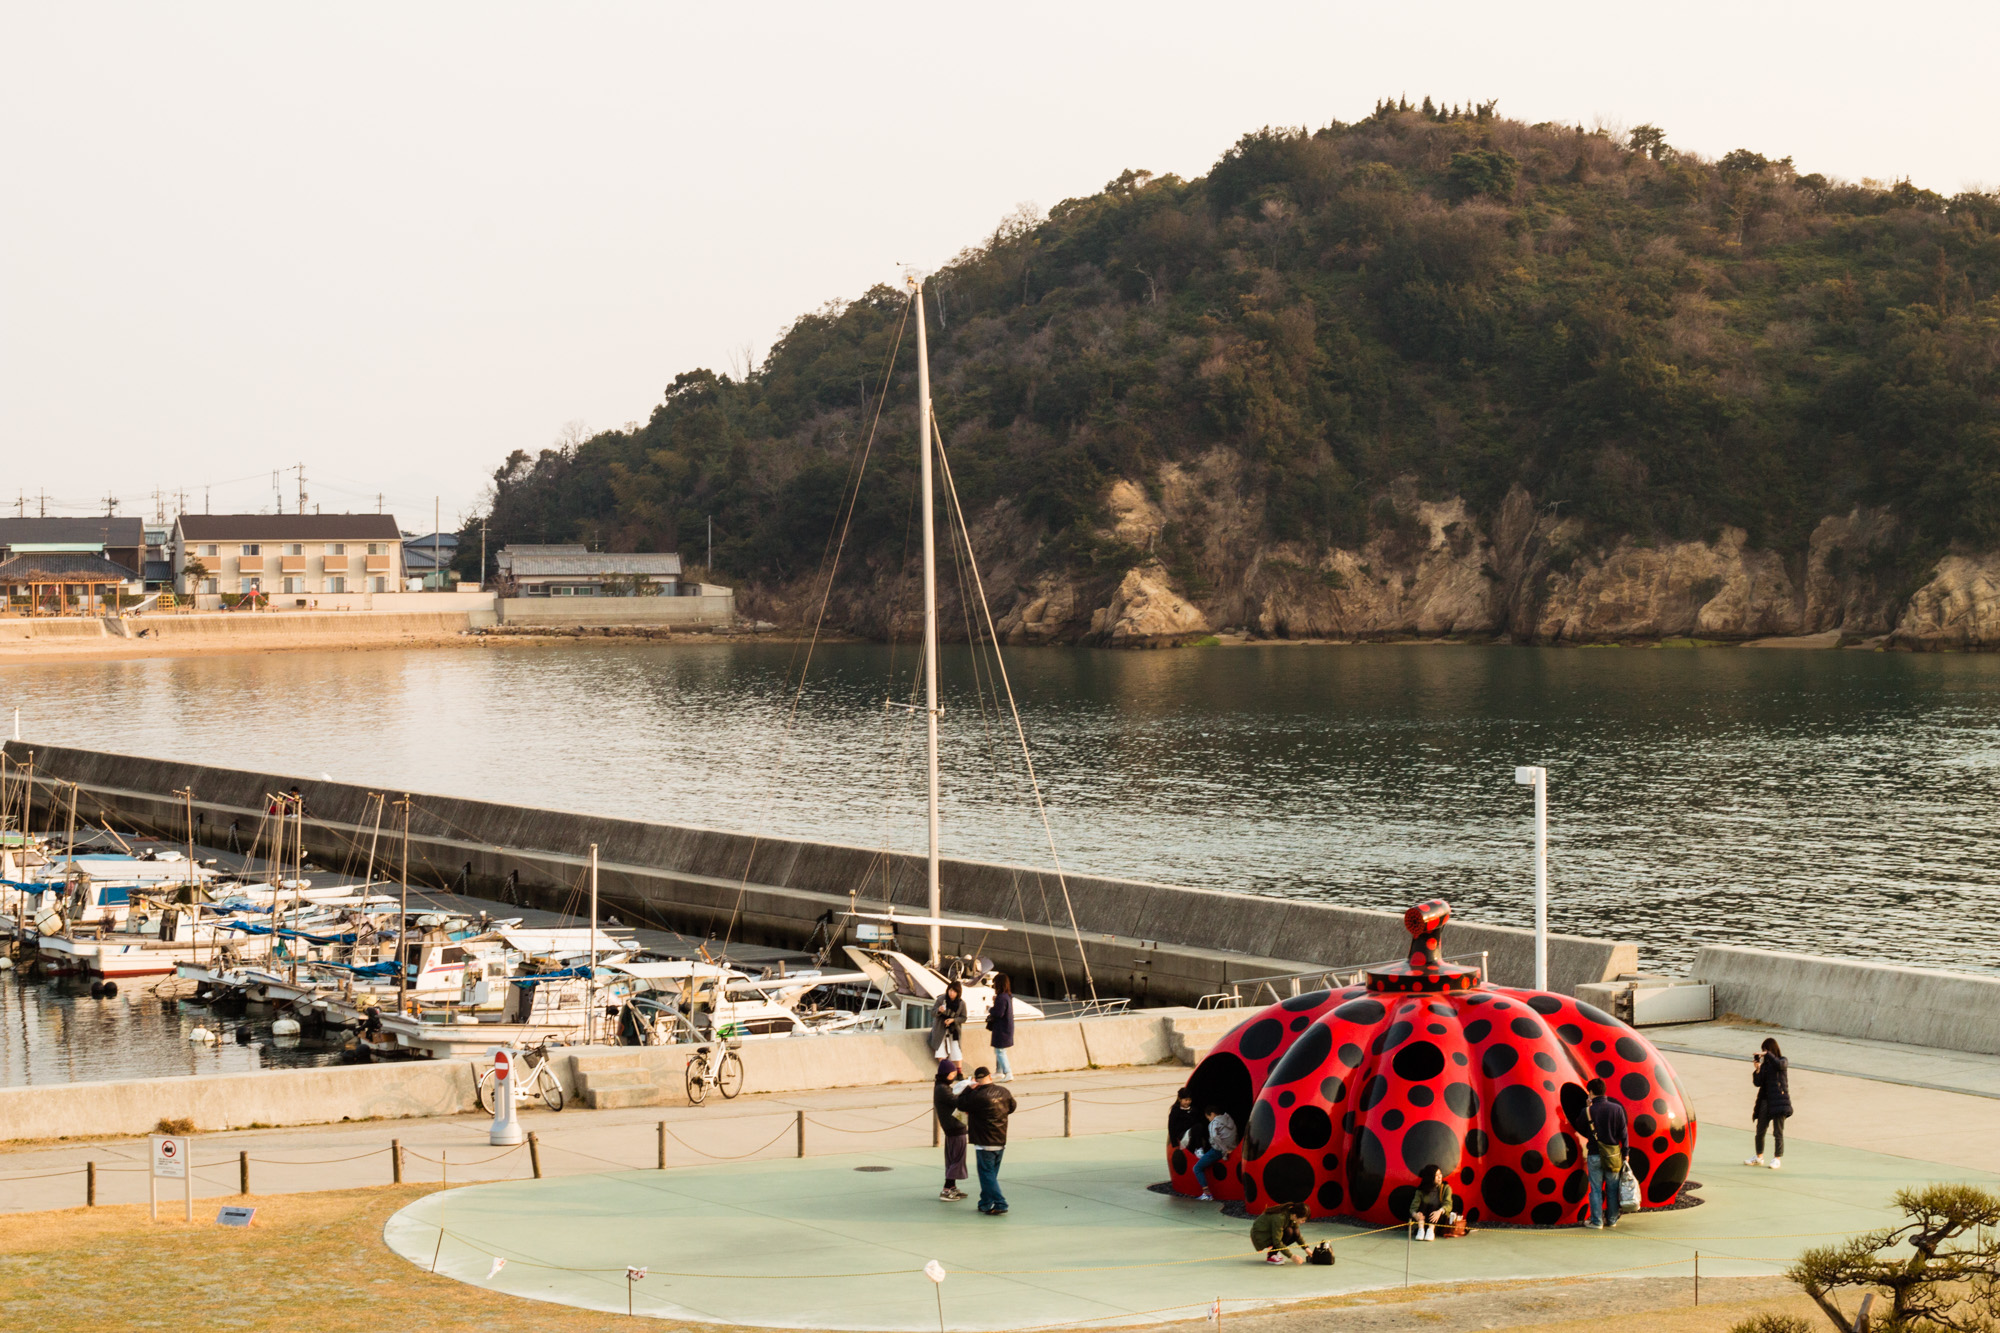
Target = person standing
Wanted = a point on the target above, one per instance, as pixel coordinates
(1606, 1164)
(1000, 1023)
(944, 1101)
(1773, 1078)
(986, 1106)
(948, 1023)
(1221, 1142)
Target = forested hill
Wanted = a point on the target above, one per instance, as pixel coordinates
(1350, 360)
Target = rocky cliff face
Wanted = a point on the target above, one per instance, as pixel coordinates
(1201, 564)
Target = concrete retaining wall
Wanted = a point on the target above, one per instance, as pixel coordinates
(249, 626)
(228, 1101)
(692, 612)
(1957, 1011)
(1158, 943)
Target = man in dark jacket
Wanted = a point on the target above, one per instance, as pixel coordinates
(1606, 1164)
(986, 1106)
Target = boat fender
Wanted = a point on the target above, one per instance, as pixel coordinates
(200, 1033)
(242, 1036)
(96, 990)
(110, 989)
(285, 1027)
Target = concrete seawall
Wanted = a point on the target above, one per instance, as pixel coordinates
(228, 1101)
(1845, 997)
(236, 627)
(635, 1076)
(1158, 943)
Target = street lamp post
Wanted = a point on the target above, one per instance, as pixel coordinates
(1538, 778)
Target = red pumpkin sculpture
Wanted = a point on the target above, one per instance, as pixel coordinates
(1344, 1096)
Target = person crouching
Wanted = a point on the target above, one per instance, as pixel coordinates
(1431, 1204)
(1276, 1231)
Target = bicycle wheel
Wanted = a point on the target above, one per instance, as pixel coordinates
(729, 1078)
(552, 1095)
(697, 1080)
(487, 1083)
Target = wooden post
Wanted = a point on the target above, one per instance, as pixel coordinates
(535, 1154)
(1066, 1113)
(937, 1132)
(802, 1133)
(663, 1145)
(243, 1172)
(396, 1159)
(90, 1184)
(1697, 1277)
(1861, 1315)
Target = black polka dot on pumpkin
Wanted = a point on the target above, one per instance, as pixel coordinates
(1262, 1038)
(1503, 1191)
(1570, 1033)
(1262, 1129)
(1372, 1095)
(1458, 1057)
(1527, 1028)
(1302, 1022)
(1399, 1200)
(1476, 1030)
(1286, 1098)
(1349, 1054)
(1659, 1106)
(1311, 1127)
(1636, 1087)
(1290, 1176)
(1561, 1150)
(1465, 1176)
(1329, 1195)
(1531, 1162)
(1392, 1119)
(1421, 1095)
(1597, 1048)
(1545, 1061)
(1418, 1062)
(1461, 1099)
(1645, 1126)
(1575, 1185)
(1632, 1049)
(1547, 1214)
(1544, 1004)
(1362, 1013)
(1546, 1185)
(1605, 1069)
(1660, 1144)
(1310, 1000)
(1308, 1053)
(1179, 1162)
(1498, 1060)
(1331, 1161)
(1392, 1036)
(1476, 1143)
(1367, 1164)
(1667, 1179)
(1593, 1014)
(1518, 1114)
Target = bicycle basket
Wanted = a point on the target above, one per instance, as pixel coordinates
(731, 1035)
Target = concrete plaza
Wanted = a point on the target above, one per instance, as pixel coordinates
(840, 1242)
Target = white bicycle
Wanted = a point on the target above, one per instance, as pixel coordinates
(532, 1078)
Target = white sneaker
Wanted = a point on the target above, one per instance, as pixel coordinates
(1753, 1161)
(1206, 1197)
(1777, 1162)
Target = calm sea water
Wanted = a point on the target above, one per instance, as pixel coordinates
(1833, 802)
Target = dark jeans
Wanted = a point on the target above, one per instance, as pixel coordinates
(954, 1158)
(1777, 1127)
(990, 1197)
(1209, 1161)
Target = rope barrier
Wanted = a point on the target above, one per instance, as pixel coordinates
(322, 1161)
(734, 1157)
(412, 1152)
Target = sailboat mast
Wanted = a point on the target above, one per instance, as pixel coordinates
(930, 617)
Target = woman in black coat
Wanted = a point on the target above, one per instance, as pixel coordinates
(944, 1101)
(948, 1023)
(1774, 1102)
(1000, 1026)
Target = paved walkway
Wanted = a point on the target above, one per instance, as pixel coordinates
(341, 1156)
(1816, 1052)
(841, 1242)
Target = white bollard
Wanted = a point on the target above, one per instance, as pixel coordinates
(506, 1130)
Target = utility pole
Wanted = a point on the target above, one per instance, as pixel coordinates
(302, 487)
(204, 499)
(277, 491)
(378, 502)
(110, 504)
(45, 504)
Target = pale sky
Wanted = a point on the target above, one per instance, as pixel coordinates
(394, 242)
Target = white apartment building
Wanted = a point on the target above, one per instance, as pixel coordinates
(286, 554)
